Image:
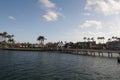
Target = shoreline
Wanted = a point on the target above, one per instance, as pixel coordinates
(89, 52)
(29, 49)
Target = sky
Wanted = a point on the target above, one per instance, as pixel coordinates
(60, 20)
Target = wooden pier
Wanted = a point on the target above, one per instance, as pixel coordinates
(90, 52)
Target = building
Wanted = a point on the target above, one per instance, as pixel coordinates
(114, 45)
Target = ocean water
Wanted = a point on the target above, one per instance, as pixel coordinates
(28, 65)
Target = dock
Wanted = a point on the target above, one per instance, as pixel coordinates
(90, 52)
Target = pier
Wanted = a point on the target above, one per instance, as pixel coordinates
(90, 52)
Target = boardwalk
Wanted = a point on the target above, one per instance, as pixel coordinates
(91, 52)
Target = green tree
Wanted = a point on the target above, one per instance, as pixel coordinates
(1, 37)
(118, 39)
(85, 39)
(10, 38)
(92, 39)
(101, 39)
(88, 39)
(41, 39)
(4, 35)
(109, 39)
(114, 38)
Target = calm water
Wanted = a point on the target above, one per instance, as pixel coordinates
(16, 65)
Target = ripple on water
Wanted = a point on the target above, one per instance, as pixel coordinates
(56, 66)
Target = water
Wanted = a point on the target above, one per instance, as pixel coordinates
(28, 65)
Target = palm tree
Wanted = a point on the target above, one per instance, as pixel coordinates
(85, 39)
(118, 39)
(114, 38)
(4, 35)
(109, 39)
(11, 40)
(1, 36)
(41, 39)
(92, 39)
(10, 37)
(103, 38)
(88, 39)
(99, 39)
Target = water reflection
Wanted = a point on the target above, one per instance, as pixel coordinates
(16, 65)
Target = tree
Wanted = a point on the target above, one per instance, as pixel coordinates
(88, 39)
(118, 39)
(10, 38)
(101, 39)
(41, 39)
(92, 39)
(1, 37)
(109, 39)
(4, 35)
(85, 39)
(98, 38)
(114, 38)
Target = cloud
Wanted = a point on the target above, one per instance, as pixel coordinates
(107, 7)
(47, 3)
(11, 18)
(91, 23)
(77, 34)
(51, 11)
(51, 16)
(87, 14)
(114, 27)
(109, 29)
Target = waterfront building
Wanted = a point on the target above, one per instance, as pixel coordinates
(114, 45)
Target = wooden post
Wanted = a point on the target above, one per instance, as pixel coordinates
(108, 54)
(102, 54)
(94, 53)
(91, 53)
(99, 53)
(111, 55)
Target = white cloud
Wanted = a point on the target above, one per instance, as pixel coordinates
(11, 18)
(77, 35)
(114, 27)
(47, 3)
(51, 11)
(107, 7)
(87, 14)
(109, 28)
(51, 16)
(91, 23)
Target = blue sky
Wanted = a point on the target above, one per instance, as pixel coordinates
(66, 20)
